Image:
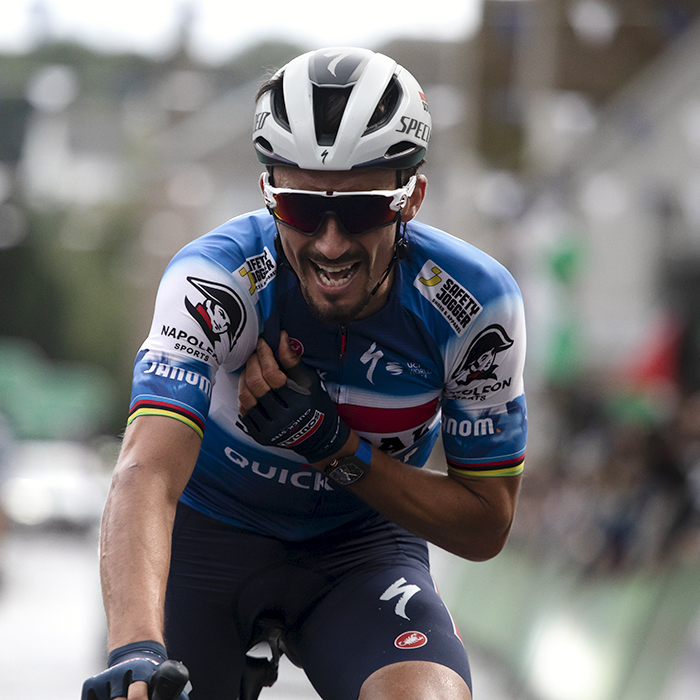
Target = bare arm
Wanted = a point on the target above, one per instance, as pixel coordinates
(156, 460)
(470, 517)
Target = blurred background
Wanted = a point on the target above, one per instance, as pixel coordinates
(566, 143)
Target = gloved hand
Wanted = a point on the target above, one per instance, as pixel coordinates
(299, 416)
(137, 662)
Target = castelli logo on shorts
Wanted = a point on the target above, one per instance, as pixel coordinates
(411, 640)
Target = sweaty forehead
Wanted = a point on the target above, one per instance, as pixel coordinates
(337, 180)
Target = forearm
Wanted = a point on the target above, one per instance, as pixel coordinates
(155, 463)
(135, 555)
(468, 517)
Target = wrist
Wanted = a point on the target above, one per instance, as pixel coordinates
(347, 470)
(349, 448)
(148, 649)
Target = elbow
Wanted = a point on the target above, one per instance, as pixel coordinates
(486, 545)
(487, 549)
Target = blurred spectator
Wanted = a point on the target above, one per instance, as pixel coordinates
(621, 489)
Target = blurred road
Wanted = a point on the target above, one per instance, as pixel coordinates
(52, 631)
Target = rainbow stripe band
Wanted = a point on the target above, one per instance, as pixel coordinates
(511, 469)
(161, 408)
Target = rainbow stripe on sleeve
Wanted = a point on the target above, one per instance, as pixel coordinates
(503, 467)
(155, 406)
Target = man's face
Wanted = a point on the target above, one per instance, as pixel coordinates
(338, 272)
(219, 318)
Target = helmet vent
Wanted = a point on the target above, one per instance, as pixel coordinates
(279, 109)
(264, 145)
(401, 148)
(329, 107)
(386, 107)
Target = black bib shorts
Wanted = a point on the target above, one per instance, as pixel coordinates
(350, 603)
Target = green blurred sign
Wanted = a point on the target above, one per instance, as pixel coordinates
(45, 399)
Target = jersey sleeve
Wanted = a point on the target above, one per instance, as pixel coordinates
(203, 321)
(484, 424)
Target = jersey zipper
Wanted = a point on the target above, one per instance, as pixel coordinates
(343, 341)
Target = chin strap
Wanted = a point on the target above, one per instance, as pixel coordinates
(400, 252)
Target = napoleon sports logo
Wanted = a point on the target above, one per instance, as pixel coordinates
(219, 312)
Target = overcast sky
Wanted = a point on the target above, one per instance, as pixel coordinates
(224, 27)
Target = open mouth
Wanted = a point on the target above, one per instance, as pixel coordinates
(335, 275)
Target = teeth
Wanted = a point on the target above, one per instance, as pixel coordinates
(333, 282)
(333, 269)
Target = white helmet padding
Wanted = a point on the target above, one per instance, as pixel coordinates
(285, 129)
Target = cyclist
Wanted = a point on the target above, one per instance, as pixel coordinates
(302, 362)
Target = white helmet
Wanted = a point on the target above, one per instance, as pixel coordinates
(289, 127)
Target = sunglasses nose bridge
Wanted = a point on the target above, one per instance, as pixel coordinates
(330, 237)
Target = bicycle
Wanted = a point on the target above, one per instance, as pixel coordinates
(261, 672)
(171, 677)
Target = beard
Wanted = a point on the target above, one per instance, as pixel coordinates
(336, 312)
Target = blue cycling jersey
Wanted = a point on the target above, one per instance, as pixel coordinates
(444, 355)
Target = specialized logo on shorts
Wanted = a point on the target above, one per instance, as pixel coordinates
(411, 640)
(448, 296)
(400, 588)
(260, 271)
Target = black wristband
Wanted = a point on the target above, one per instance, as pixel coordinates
(154, 651)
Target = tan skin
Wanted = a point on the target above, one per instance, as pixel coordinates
(469, 517)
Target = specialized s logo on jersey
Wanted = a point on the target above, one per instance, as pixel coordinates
(475, 376)
(219, 312)
(448, 296)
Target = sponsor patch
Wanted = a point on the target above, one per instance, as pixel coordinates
(476, 376)
(306, 431)
(448, 296)
(297, 346)
(220, 314)
(411, 640)
(259, 270)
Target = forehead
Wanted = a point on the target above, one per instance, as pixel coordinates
(358, 180)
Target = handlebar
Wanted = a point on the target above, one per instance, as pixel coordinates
(168, 681)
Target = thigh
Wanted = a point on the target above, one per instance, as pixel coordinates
(200, 630)
(221, 580)
(375, 618)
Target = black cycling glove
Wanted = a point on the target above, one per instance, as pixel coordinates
(299, 416)
(127, 664)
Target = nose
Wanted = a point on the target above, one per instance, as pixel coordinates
(330, 239)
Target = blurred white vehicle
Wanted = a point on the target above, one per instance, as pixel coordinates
(54, 483)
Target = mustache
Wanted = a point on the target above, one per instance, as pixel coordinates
(322, 260)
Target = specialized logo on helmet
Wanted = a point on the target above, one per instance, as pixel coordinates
(448, 296)
(411, 640)
(337, 66)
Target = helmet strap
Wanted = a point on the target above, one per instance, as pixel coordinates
(400, 252)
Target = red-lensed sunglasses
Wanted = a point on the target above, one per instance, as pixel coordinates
(357, 212)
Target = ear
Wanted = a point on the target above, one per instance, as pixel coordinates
(416, 199)
(260, 181)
